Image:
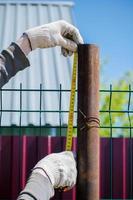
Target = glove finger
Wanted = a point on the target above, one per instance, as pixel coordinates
(69, 29)
(67, 44)
(65, 52)
(70, 53)
(76, 36)
(67, 179)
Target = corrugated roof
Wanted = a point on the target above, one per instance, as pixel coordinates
(48, 66)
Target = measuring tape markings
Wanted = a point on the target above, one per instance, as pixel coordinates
(71, 111)
(71, 106)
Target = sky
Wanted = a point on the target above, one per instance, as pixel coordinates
(108, 24)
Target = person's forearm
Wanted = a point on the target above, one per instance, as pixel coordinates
(12, 60)
(38, 187)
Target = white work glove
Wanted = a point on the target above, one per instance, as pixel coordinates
(59, 33)
(60, 168)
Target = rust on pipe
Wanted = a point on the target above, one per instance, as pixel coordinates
(88, 122)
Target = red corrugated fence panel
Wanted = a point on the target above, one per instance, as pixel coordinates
(116, 168)
(18, 155)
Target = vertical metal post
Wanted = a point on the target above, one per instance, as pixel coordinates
(88, 123)
(40, 117)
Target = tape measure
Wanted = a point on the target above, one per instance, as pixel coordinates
(71, 106)
(71, 112)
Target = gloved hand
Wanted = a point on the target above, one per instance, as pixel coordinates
(60, 168)
(59, 33)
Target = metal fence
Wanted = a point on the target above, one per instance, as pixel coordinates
(119, 109)
(116, 115)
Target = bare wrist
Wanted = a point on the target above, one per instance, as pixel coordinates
(24, 44)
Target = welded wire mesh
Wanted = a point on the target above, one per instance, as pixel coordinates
(115, 114)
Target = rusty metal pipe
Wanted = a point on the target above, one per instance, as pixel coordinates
(88, 122)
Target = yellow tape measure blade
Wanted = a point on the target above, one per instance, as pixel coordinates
(71, 106)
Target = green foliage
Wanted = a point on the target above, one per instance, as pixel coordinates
(117, 101)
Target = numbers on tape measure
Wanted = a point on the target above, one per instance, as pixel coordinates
(71, 106)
